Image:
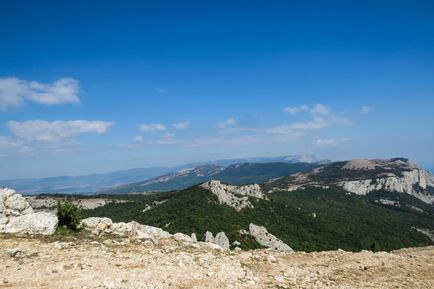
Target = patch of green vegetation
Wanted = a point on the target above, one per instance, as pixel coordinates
(69, 215)
(250, 173)
(343, 220)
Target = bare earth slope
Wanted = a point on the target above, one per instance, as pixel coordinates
(120, 263)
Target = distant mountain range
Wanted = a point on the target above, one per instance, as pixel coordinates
(379, 204)
(99, 182)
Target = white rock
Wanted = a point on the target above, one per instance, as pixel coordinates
(268, 240)
(35, 223)
(13, 204)
(182, 237)
(236, 197)
(209, 238)
(221, 240)
(404, 184)
(131, 229)
(194, 237)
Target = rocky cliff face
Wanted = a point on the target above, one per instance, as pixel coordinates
(364, 176)
(236, 197)
(416, 182)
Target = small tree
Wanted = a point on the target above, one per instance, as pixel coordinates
(69, 215)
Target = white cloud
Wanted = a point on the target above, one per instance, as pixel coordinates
(14, 92)
(182, 125)
(320, 109)
(313, 124)
(152, 127)
(321, 118)
(167, 139)
(366, 109)
(41, 130)
(226, 124)
(61, 91)
(11, 92)
(138, 138)
(330, 142)
(295, 110)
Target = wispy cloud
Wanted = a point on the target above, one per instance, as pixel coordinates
(318, 109)
(226, 124)
(13, 144)
(182, 125)
(367, 109)
(294, 110)
(167, 139)
(153, 127)
(15, 92)
(330, 142)
(321, 118)
(54, 131)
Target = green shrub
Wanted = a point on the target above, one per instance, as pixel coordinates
(69, 215)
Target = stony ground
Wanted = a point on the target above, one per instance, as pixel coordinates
(120, 263)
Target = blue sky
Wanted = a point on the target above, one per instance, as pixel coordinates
(96, 86)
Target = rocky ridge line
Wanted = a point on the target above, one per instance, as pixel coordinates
(236, 197)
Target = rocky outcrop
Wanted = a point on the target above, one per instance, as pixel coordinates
(193, 237)
(39, 223)
(364, 176)
(17, 217)
(413, 182)
(236, 197)
(220, 239)
(268, 240)
(131, 229)
(209, 237)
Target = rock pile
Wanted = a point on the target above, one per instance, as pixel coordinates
(17, 217)
(236, 197)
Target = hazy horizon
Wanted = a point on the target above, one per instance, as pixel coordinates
(103, 86)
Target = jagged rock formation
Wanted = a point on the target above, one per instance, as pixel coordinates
(131, 229)
(413, 182)
(236, 197)
(194, 237)
(364, 176)
(17, 217)
(220, 239)
(268, 240)
(209, 237)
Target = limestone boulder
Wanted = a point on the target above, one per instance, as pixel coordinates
(40, 223)
(131, 229)
(268, 240)
(221, 240)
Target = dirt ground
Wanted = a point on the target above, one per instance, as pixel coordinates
(121, 263)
